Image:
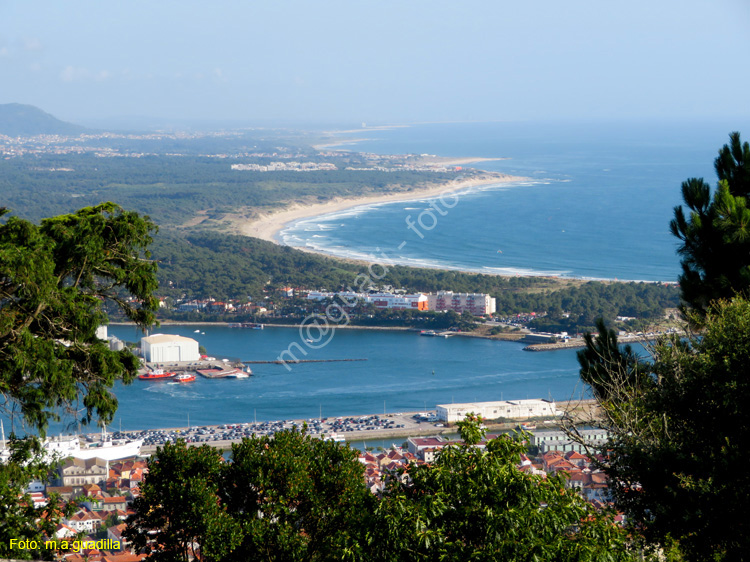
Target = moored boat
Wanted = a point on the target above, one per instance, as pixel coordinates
(156, 374)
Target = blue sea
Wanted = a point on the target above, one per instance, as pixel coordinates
(597, 202)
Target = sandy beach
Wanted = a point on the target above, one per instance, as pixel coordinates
(267, 226)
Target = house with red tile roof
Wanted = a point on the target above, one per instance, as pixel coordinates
(63, 531)
(83, 521)
(578, 459)
(417, 446)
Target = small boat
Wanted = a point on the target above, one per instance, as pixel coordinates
(184, 377)
(238, 375)
(197, 331)
(156, 374)
(528, 426)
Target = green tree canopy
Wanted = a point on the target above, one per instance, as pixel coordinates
(715, 233)
(297, 498)
(287, 497)
(55, 279)
(292, 497)
(679, 434)
(474, 504)
(179, 513)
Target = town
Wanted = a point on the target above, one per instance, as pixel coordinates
(103, 488)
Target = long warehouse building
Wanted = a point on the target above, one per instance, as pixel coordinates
(510, 409)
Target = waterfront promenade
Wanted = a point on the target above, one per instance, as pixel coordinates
(375, 427)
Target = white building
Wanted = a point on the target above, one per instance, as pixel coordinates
(163, 348)
(559, 440)
(417, 301)
(478, 304)
(510, 409)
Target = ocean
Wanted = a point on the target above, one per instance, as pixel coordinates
(597, 203)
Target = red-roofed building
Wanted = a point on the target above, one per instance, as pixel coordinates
(424, 447)
(84, 521)
(123, 557)
(582, 461)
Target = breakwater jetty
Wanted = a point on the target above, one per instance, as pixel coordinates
(284, 362)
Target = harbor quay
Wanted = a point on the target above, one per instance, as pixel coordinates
(387, 426)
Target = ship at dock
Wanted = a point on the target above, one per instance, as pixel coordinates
(85, 447)
(157, 374)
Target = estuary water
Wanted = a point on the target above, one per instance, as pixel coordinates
(402, 371)
(598, 203)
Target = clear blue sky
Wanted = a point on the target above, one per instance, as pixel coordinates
(379, 61)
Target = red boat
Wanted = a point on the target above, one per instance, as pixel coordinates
(156, 374)
(184, 377)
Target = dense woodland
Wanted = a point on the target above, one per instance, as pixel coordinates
(173, 189)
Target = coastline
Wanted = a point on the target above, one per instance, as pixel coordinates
(266, 226)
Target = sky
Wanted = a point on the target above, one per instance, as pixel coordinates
(377, 61)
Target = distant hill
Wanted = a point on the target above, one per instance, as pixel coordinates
(26, 120)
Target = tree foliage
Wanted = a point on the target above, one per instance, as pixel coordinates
(474, 504)
(715, 233)
(297, 498)
(680, 431)
(678, 421)
(54, 280)
(289, 497)
(179, 513)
